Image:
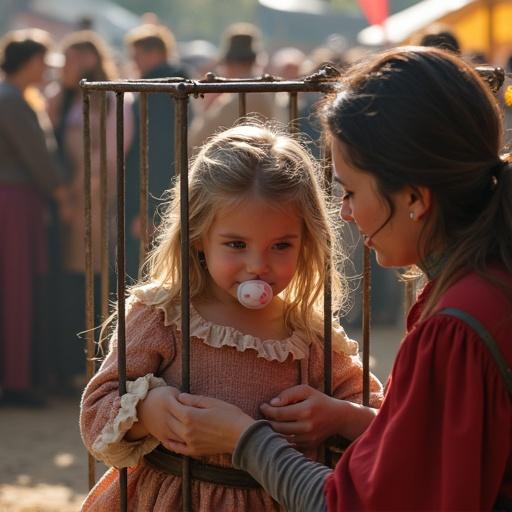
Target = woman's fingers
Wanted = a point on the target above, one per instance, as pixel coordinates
(292, 412)
(292, 395)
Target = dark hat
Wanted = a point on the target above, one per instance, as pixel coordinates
(242, 43)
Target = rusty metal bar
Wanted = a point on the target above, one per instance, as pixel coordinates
(121, 325)
(104, 209)
(182, 170)
(143, 170)
(89, 278)
(327, 166)
(322, 81)
(293, 113)
(197, 88)
(242, 104)
(367, 276)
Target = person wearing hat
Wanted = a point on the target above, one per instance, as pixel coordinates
(242, 56)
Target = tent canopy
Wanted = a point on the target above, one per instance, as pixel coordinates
(468, 19)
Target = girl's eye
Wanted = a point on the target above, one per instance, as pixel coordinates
(281, 246)
(236, 244)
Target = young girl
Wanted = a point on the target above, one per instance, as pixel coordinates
(416, 138)
(257, 213)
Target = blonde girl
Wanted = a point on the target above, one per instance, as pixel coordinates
(257, 213)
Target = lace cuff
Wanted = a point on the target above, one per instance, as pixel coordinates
(110, 446)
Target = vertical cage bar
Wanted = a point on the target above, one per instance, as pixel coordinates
(144, 165)
(121, 325)
(293, 113)
(89, 281)
(242, 104)
(182, 170)
(367, 276)
(104, 208)
(326, 164)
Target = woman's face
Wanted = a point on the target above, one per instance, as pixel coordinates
(78, 64)
(394, 239)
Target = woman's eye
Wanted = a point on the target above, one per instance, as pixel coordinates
(346, 195)
(236, 244)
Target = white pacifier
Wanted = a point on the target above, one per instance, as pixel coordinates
(254, 294)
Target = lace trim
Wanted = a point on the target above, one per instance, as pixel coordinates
(109, 446)
(218, 336)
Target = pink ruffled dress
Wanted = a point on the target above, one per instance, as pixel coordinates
(225, 364)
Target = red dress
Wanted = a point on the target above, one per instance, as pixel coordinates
(443, 437)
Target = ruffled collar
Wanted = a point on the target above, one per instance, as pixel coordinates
(218, 336)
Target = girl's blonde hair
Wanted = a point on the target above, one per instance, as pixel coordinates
(253, 160)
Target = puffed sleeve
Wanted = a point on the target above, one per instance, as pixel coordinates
(104, 416)
(430, 448)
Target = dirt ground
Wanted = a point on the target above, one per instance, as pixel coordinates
(43, 464)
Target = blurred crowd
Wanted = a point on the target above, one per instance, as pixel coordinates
(42, 248)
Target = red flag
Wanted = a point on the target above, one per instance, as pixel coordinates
(376, 11)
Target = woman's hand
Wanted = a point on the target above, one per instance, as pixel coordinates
(206, 426)
(308, 417)
(155, 416)
(305, 415)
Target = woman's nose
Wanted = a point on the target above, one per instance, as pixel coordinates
(346, 212)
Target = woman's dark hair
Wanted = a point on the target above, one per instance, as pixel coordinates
(19, 46)
(417, 116)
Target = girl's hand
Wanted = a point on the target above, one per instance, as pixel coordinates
(206, 426)
(155, 415)
(305, 415)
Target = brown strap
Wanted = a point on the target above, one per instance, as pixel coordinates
(168, 462)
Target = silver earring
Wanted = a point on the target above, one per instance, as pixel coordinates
(411, 215)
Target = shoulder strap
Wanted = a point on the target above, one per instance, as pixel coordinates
(505, 370)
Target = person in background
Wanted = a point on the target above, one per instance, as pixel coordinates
(416, 138)
(152, 48)
(86, 56)
(29, 180)
(242, 56)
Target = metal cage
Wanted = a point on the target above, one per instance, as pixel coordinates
(180, 90)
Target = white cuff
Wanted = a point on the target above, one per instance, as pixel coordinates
(110, 446)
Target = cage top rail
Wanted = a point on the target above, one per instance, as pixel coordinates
(325, 80)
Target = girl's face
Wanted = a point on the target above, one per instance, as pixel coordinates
(395, 241)
(252, 241)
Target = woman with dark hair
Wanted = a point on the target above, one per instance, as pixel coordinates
(28, 180)
(416, 138)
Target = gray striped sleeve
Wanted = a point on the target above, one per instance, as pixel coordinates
(294, 481)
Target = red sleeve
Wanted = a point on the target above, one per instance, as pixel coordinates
(442, 439)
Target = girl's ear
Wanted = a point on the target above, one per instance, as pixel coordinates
(420, 201)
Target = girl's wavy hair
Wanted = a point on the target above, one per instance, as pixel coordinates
(421, 116)
(249, 160)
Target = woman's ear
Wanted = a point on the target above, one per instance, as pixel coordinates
(420, 202)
